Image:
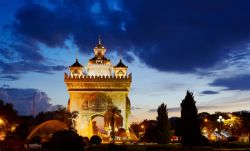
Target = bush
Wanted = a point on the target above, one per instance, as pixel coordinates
(66, 140)
(232, 139)
(95, 140)
(35, 140)
(86, 140)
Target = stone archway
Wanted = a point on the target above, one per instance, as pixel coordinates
(97, 124)
(93, 105)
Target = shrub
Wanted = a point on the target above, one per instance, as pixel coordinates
(95, 140)
(66, 140)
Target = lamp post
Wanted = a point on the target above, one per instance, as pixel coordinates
(140, 133)
(143, 128)
(220, 120)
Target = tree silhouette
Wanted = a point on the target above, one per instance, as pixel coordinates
(135, 128)
(66, 140)
(8, 118)
(61, 114)
(113, 119)
(95, 139)
(163, 124)
(151, 134)
(190, 129)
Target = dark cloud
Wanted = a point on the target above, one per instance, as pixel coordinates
(22, 57)
(27, 66)
(178, 109)
(9, 77)
(173, 109)
(135, 108)
(27, 52)
(39, 23)
(152, 110)
(23, 99)
(209, 92)
(5, 53)
(240, 82)
(177, 36)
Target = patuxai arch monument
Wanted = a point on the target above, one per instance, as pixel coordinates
(95, 88)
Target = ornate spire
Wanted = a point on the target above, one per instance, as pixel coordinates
(120, 64)
(76, 64)
(76, 54)
(100, 43)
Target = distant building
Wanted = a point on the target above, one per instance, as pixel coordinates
(96, 87)
(244, 137)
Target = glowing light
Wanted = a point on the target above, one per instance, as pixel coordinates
(2, 136)
(13, 128)
(1, 121)
(220, 119)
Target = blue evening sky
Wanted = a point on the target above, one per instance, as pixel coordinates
(169, 46)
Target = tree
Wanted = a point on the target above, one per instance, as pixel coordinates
(113, 119)
(175, 125)
(135, 128)
(8, 119)
(121, 133)
(233, 125)
(151, 134)
(95, 139)
(163, 125)
(24, 127)
(66, 140)
(190, 128)
(61, 114)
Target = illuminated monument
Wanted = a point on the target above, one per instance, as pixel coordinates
(95, 88)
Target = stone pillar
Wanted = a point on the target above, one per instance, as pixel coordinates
(85, 127)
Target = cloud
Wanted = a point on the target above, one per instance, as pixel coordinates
(135, 108)
(9, 78)
(180, 36)
(173, 36)
(174, 109)
(240, 82)
(23, 99)
(11, 71)
(209, 92)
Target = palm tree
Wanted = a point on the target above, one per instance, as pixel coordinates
(113, 119)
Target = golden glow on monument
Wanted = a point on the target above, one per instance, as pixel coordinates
(97, 89)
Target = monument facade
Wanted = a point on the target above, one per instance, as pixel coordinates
(96, 87)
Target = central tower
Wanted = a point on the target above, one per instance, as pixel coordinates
(94, 90)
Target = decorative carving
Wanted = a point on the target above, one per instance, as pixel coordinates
(98, 102)
(85, 105)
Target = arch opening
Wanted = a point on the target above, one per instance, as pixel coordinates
(97, 122)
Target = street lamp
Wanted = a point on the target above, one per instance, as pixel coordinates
(140, 133)
(220, 120)
(143, 128)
